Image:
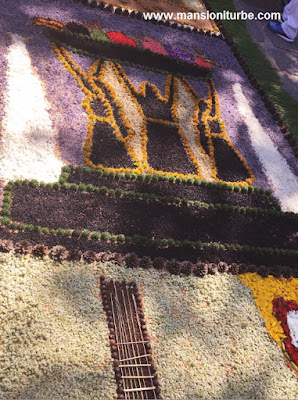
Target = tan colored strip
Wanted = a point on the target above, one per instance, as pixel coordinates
(138, 342)
(139, 389)
(134, 365)
(134, 358)
(134, 377)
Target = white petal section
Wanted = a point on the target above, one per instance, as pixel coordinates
(28, 146)
(132, 113)
(283, 180)
(292, 320)
(185, 114)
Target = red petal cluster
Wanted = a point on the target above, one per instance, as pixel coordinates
(281, 308)
(202, 63)
(119, 37)
(154, 46)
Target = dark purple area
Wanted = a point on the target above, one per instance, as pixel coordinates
(179, 54)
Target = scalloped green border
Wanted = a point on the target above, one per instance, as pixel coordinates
(174, 179)
(138, 239)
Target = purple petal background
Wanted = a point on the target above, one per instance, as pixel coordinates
(65, 97)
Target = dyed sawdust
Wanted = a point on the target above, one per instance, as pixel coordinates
(148, 218)
(207, 337)
(167, 116)
(170, 6)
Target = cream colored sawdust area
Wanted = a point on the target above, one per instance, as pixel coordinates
(208, 334)
(53, 332)
(185, 113)
(132, 114)
(28, 145)
(208, 338)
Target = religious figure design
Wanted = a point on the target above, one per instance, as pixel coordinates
(142, 129)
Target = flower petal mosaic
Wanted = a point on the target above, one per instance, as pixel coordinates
(149, 210)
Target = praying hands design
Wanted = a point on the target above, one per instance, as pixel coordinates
(141, 130)
(123, 120)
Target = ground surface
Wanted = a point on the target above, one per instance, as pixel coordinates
(282, 55)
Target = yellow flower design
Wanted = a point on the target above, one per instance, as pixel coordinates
(264, 290)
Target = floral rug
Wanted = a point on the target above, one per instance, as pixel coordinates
(149, 203)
